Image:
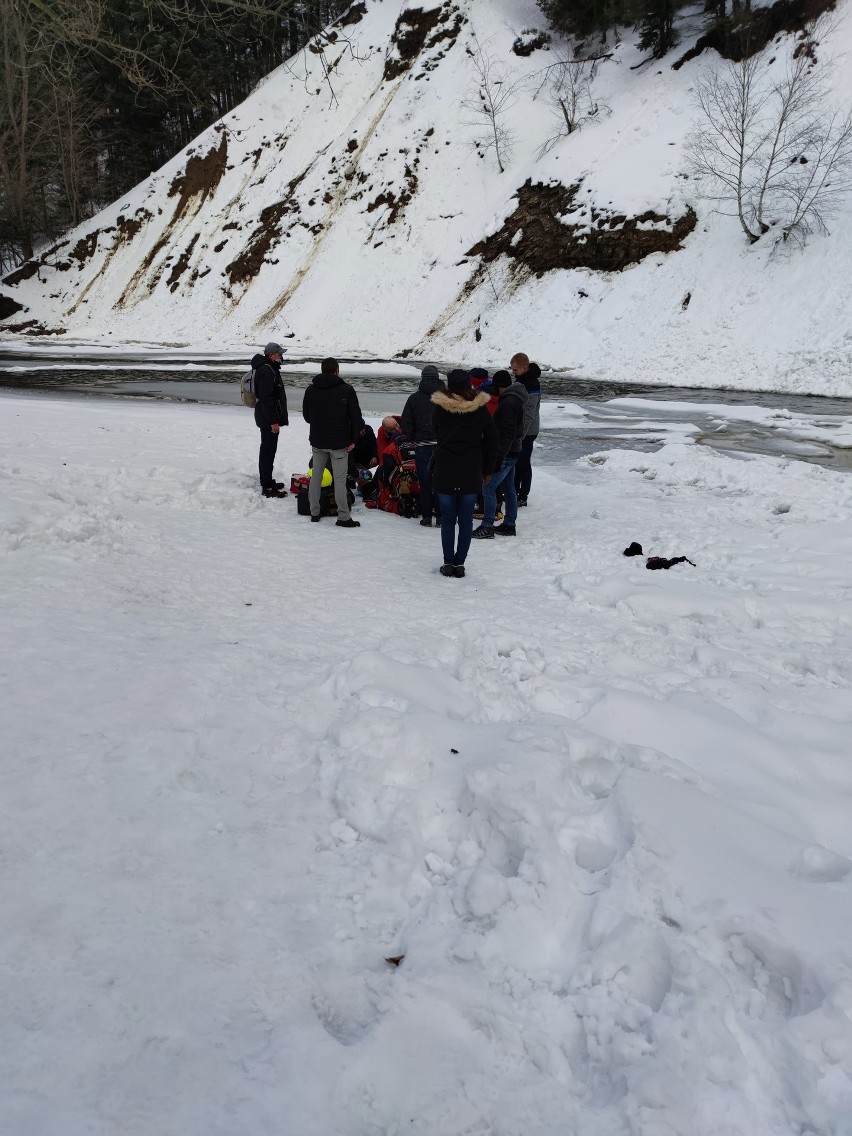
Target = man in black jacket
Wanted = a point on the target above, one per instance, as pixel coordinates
(509, 420)
(331, 407)
(416, 425)
(270, 413)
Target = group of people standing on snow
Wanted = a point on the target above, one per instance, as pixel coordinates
(472, 436)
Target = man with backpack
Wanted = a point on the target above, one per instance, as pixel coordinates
(416, 422)
(331, 407)
(270, 413)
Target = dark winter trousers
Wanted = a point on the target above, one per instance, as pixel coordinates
(523, 470)
(422, 459)
(266, 460)
(456, 509)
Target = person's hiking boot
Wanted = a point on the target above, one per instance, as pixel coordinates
(458, 571)
(280, 485)
(505, 530)
(484, 532)
(522, 502)
(350, 524)
(498, 516)
(479, 514)
(447, 569)
(316, 517)
(426, 522)
(271, 491)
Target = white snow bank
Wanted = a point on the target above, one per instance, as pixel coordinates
(602, 812)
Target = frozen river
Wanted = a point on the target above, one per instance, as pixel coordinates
(578, 416)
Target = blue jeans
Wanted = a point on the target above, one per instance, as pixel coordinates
(504, 476)
(456, 508)
(423, 455)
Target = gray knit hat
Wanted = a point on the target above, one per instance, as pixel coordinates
(273, 349)
(429, 372)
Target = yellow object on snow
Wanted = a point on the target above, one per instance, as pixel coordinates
(326, 476)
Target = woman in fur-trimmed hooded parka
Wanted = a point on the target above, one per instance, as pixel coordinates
(464, 458)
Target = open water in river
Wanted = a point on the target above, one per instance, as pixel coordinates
(805, 427)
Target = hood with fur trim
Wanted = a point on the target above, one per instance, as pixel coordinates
(459, 405)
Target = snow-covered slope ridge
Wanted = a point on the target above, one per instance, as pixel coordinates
(347, 222)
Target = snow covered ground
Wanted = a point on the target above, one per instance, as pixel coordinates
(602, 812)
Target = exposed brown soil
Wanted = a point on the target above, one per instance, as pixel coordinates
(742, 40)
(28, 268)
(33, 327)
(150, 257)
(181, 264)
(525, 47)
(9, 307)
(85, 248)
(537, 238)
(412, 35)
(353, 15)
(129, 227)
(247, 265)
(200, 178)
(396, 202)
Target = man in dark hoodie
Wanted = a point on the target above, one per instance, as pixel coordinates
(331, 407)
(270, 413)
(416, 424)
(530, 375)
(509, 419)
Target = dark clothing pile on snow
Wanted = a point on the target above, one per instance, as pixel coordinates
(331, 407)
(510, 422)
(269, 390)
(416, 419)
(467, 443)
(656, 562)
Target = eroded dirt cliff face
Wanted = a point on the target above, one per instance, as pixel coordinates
(552, 228)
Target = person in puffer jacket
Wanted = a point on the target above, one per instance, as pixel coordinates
(529, 374)
(464, 458)
(416, 424)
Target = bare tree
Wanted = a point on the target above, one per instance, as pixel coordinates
(568, 84)
(43, 111)
(493, 95)
(773, 151)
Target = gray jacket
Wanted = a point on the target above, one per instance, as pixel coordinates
(532, 417)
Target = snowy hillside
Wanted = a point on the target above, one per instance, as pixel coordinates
(366, 221)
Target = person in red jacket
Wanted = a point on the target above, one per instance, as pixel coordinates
(495, 384)
(388, 437)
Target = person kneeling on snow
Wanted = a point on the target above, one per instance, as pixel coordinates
(270, 413)
(364, 454)
(509, 420)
